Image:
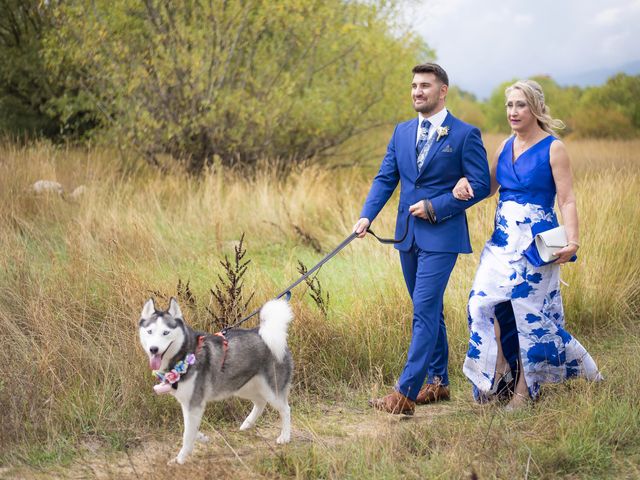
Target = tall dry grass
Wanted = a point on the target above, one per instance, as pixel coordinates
(74, 276)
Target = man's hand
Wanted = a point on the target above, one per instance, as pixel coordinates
(463, 190)
(423, 210)
(418, 210)
(361, 227)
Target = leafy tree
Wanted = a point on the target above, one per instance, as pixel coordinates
(494, 110)
(235, 82)
(465, 106)
(612, 110)
(206, 81)
(29, 91)
(21, 102)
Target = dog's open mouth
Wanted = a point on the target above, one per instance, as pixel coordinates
(156, 360)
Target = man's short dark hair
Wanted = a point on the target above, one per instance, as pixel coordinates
(434, 68)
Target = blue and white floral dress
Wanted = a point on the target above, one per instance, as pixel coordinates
(548, 352)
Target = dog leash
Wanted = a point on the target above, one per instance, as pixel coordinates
(287, 291)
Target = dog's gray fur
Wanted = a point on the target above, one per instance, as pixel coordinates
(251, 370)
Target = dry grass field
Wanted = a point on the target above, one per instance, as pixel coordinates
(76, 394)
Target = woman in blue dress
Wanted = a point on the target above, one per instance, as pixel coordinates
(530, 168)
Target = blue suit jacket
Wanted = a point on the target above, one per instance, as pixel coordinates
(460, 153)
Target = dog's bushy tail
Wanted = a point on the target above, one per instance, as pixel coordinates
(275, 317)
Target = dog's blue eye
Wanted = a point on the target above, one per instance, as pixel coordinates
(166, 332)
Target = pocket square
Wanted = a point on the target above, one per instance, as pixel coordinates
(447, 149)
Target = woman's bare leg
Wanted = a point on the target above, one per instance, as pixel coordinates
(502, 366)
(521, 394)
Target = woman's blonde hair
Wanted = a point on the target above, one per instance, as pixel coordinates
(535, 99)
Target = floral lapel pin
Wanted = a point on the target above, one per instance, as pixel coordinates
(442, 132)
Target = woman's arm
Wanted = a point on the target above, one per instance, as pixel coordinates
(494, 168)
(561, 169)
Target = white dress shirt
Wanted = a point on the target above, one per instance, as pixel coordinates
(435, 120)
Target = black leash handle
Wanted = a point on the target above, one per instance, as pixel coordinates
(287, 291)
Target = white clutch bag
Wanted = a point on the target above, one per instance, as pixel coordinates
(551, 241)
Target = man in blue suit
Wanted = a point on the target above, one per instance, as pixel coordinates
(427, 155)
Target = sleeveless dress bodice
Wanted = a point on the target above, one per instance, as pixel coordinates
(529, 179)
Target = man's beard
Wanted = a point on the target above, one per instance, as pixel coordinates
(426, 107)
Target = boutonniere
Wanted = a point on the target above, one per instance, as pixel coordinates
(442, 132)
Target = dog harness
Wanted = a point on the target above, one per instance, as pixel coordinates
(225, 347)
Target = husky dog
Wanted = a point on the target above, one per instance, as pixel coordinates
(197, 367)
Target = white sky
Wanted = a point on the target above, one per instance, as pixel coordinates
(484, 42)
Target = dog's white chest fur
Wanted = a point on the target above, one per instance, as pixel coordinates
(184, 392)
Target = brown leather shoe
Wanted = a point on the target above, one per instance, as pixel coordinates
(395, 403)
(432, 392)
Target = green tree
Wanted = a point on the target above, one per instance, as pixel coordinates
(494, 110)
(237, 81)
(612, 110)
(465, 106)
(30, 92)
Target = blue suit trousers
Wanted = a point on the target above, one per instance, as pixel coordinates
(426, 275)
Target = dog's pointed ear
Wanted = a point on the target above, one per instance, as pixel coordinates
(149, 309)
(174, 309)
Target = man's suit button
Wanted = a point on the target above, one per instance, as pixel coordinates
(418, 186)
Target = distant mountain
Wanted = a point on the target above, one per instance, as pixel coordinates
(483, 87)
(597, 77)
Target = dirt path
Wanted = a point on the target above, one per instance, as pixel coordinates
(229, 452)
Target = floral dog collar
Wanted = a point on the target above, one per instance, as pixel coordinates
(173, 375)
(168, 380)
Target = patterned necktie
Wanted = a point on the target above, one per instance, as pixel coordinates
(422, 142)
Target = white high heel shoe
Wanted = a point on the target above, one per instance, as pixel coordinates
(590, 369)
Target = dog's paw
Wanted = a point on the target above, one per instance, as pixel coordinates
(283, 438)
(179, 460)
(246, 425)
(202, 438)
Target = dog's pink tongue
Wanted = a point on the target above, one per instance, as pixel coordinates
(155, 361)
